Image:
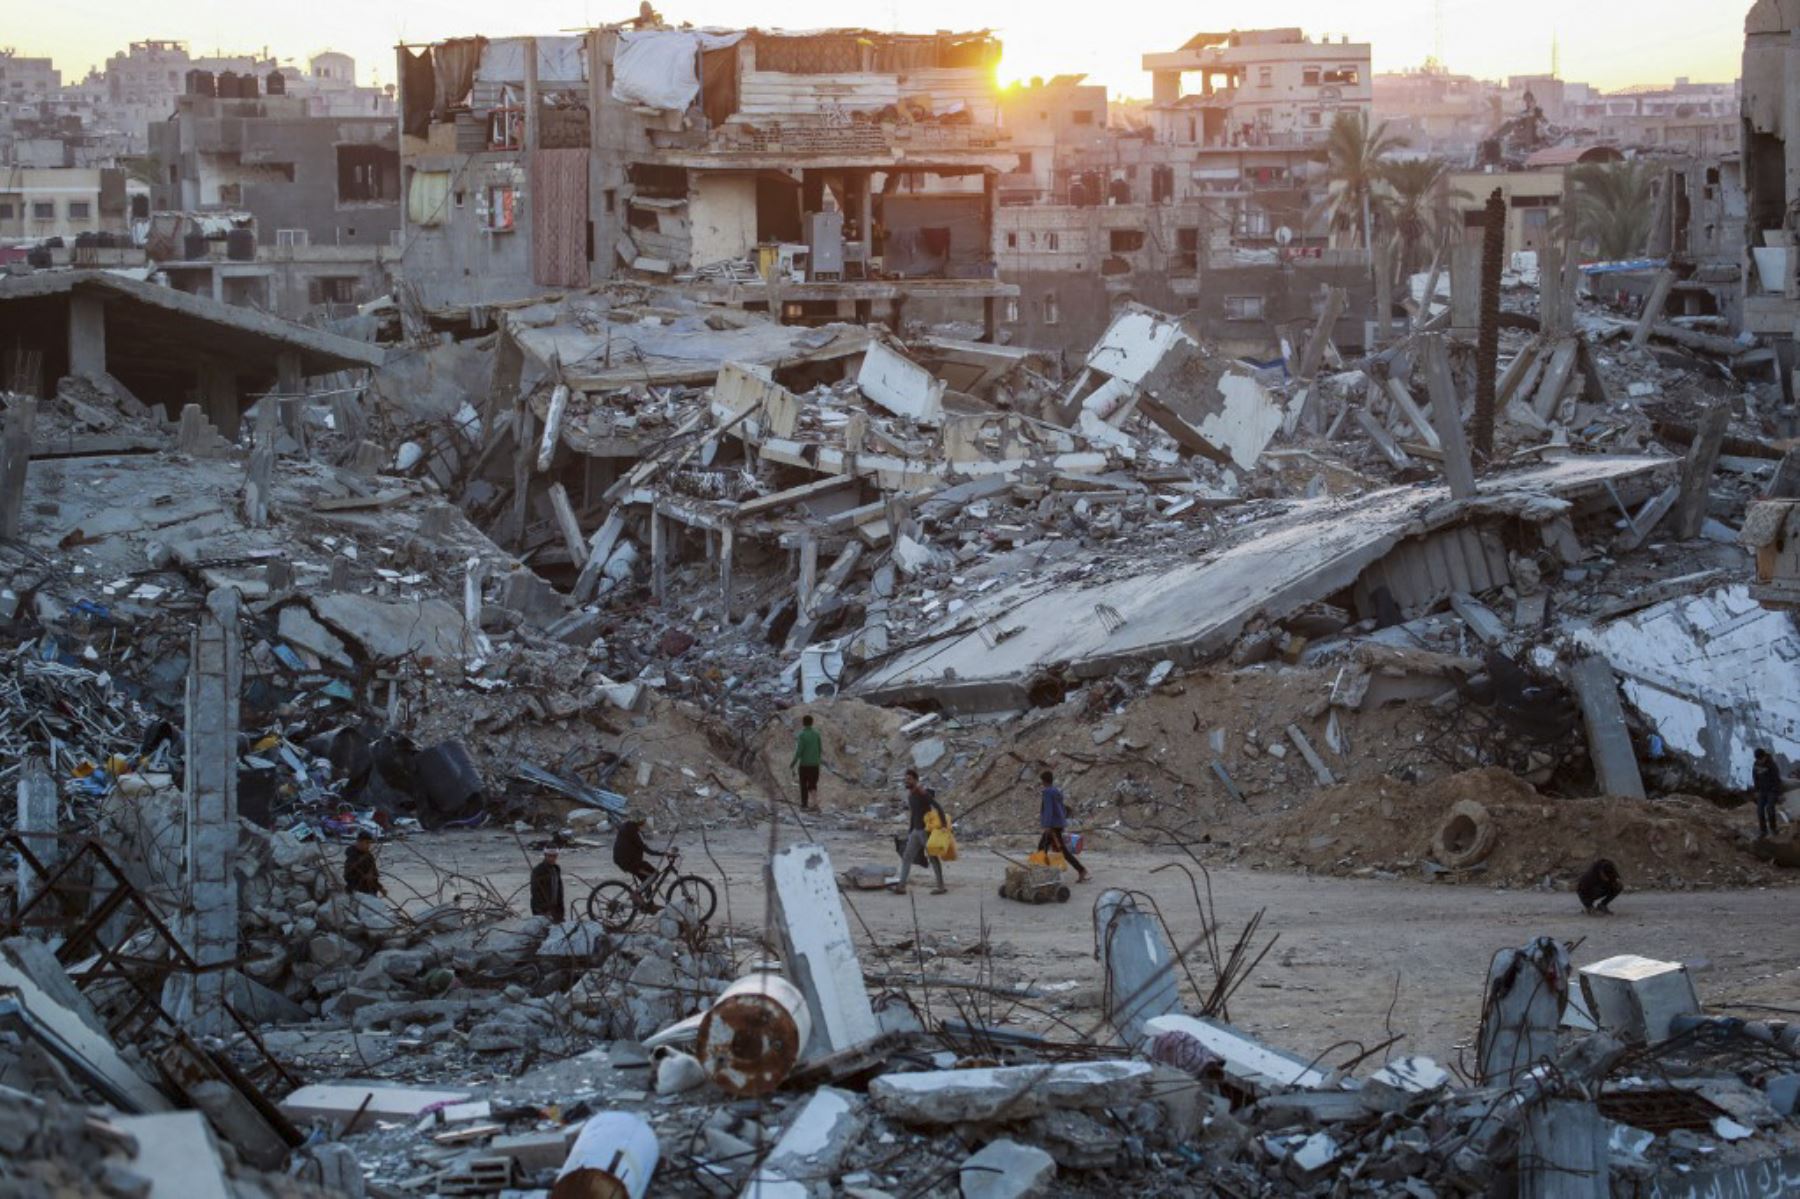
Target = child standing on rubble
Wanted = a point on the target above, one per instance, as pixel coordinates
(920, 799)
(361, 873)
(1053, 818)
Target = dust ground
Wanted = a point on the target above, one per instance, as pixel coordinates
(1331, 978)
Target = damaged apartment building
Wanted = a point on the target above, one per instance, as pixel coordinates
(842, 174)
(1219, 185)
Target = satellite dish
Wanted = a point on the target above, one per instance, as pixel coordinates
(1284, 236)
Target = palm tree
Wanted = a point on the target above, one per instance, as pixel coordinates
(1418, 203)
(1611, 206)
(1354, 156)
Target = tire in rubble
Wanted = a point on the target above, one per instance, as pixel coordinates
(613, 904)
(1465, 837)
(692, 900)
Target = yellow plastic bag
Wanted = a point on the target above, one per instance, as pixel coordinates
(1044, 857)
(941, 844)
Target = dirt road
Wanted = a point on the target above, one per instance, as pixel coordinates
(1354, 957)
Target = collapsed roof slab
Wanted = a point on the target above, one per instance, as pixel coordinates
(167, 346)
(985, 660)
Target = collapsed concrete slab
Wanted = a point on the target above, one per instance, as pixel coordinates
(984, 658)
(376, 1100)
(177, 1155)
(900, 385)
(1715, 675)
(37, 999)
(396, 628)
(805, 1160)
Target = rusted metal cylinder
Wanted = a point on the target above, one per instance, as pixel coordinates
(751, 1039)
(613, 1158)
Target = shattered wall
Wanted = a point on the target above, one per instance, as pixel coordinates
(1716, 675)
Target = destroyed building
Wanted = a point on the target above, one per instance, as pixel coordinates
(870, 159)
(333, 660)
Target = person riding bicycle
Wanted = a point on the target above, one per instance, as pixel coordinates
(630, 850)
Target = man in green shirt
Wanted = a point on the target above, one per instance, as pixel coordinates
(808, 752)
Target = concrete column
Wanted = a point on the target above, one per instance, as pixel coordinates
(37, 824)
(727, 548)
(288, 379)
(809, 569)
(659, 556)
(219, 396)
(1609, 741)
(1465, 287)
(215, 677)
(87, 335)
(531, 95)
(15, 463)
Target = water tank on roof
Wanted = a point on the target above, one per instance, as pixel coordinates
(248, 88)
(240, 245)
(202, 83)
(276, 84)
(228, 85)
(193, 245)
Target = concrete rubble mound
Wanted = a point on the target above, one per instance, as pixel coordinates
(309, 652)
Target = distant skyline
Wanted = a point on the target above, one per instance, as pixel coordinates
(1609, 45)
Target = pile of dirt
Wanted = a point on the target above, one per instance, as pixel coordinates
(1509, 835)
(864, 752)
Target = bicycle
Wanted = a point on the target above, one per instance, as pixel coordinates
(616, 904)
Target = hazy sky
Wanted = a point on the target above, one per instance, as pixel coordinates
(1610, 43)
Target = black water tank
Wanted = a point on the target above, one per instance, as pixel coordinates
(193, 245)
(247, 87)
(228, 85)
(277, 84)
(240, 245)
(39, 258)
(85, 239)
(202, 83)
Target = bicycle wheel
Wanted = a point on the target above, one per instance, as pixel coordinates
(692, 900)
(613, 904)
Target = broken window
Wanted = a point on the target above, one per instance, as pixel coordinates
(658, 182)
(6, 212)
(499, 216)
(1346, 76)
(1050, 241)
(1126, 241)
(643, 218)
(332, 289)
(1084, 116)
(367, 174)
(610, 197)
(1310, 76)
(1052, 313)
(1187, 249)
(1314, 118)
(1243, 308)
(1024, 167)
(1012, 241)
(1162, 184)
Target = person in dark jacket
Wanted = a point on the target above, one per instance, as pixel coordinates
(630, 852)
(920, 799)
(361, 873)
(1765, 775)
(1598, 887)
(1053, 818)
(547, 888)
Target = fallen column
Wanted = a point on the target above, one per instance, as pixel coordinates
(1609, 744)
(1140, 970)
(816, 948)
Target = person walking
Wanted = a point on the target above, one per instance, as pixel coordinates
(1598, 887)
(361, 872)
(1765, 776)
(1053, 818)
(547, 887)
(809, 753)
(920, 799)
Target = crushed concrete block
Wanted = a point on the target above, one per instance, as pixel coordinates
(298, 628)
(817, 950)
(928, 753)
(338, 1101)
(1403, 1084)
(806, 1158)
(940, 1097)
(1005, 1169)
(900, 385)
(1637, 999)
(395, 628)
